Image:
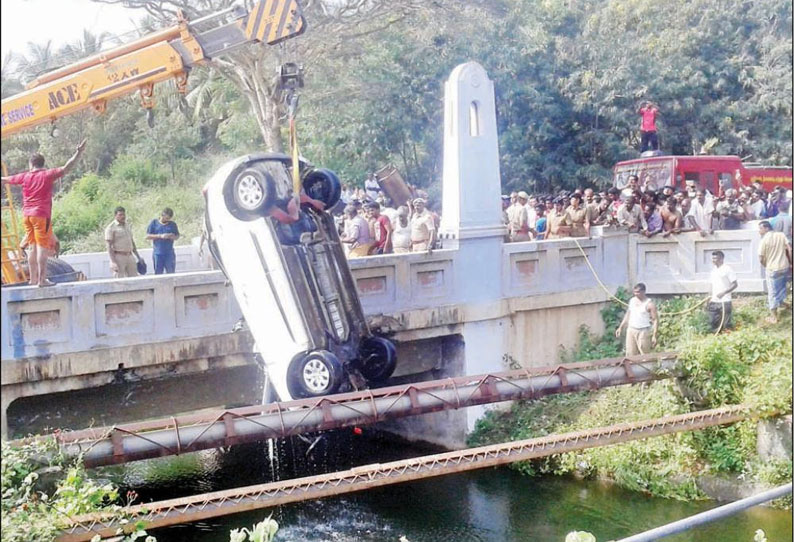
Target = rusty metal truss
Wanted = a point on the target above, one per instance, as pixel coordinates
(232, 501)
(174, 436)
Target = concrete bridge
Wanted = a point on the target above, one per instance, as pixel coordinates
(467, 308)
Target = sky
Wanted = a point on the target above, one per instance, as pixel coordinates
(62, 21)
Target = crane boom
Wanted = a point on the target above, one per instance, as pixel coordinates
(139, 65)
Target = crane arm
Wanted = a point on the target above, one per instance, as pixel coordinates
(139, 65)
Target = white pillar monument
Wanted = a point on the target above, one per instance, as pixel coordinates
(472, 212)
(472, 206)
(471, 183)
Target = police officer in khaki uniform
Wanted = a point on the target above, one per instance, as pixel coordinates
(121, 246)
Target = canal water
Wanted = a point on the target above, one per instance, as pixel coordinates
(494, 505)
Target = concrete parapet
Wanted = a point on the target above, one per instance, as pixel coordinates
(96, 265)
(406, 292)
(89, 315)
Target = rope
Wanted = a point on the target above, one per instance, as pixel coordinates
(623, 303)
(293, 143)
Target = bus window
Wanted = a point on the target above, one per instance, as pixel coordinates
(692, 176)
(726, 182)
(708, 178)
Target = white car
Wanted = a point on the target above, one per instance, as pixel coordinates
(292, 281)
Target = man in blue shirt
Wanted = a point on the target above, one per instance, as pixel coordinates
(163, 232)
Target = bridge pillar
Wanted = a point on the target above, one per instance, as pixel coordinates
(6, 398)
(472, 211)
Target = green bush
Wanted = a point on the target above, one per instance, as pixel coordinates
(751, 366)
(87, 207)
(136, 172)
(717, 367)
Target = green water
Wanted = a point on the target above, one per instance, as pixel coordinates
(496, 505)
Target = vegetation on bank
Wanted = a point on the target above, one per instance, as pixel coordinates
(39, 495)
(750, 365)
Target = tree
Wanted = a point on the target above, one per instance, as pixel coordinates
(334, 24)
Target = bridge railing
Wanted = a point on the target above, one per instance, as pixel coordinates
(103, 313)
(96, 265)
(93, 314)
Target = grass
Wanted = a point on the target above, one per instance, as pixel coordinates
(750, 364)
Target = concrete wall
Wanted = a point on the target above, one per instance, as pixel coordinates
(96, 265)
(96, 314)
(414, 295)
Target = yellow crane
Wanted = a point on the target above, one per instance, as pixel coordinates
(135, 67)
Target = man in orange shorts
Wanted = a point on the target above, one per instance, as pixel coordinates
(37, 186)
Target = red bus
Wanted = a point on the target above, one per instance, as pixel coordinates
(716, 173)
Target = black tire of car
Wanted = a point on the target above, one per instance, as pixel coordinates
(253, 180)
(318, 363)
(378, 359)
(60, 271)
(323, 185)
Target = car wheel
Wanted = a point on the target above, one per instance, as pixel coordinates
(314, 374)
(323, 185)
(378, 359)
(249, 194)
(60, 271)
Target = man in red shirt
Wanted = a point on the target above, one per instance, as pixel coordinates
(381, 227)
(648, 111)
(37, 186)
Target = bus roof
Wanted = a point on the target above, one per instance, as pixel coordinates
(705, 158)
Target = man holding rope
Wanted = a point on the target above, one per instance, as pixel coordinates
(723, 282)
(642, 319)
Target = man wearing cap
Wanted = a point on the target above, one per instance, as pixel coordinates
(555, 223)
(518, 219)
(577, 218)
(423, 228)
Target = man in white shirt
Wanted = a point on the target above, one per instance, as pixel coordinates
(701, 213)
(723, 282)
(372, 187)
(532, 215)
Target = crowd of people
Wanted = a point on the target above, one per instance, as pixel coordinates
(371, 224)
(647, 212)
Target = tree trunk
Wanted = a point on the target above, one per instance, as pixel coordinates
(270, 127)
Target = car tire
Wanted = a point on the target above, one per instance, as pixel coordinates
(323, 185)
(378, 359)
(60, 271)
(314, 374)
(249, 194)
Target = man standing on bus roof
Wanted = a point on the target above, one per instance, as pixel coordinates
(37, 186)
(649, 140)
